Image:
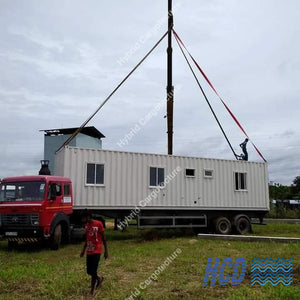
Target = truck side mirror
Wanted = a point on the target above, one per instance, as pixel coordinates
(52, 191)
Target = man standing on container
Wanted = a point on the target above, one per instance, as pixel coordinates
(93, 248)
(243, 145)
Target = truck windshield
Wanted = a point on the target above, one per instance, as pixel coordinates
(22, 191)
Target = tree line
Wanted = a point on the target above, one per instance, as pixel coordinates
(283, 192)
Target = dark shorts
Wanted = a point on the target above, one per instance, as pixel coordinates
(92, 262)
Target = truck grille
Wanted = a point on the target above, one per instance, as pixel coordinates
(19, 219)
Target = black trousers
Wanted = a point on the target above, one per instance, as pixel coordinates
(92, 262)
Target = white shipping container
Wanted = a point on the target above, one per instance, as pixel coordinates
(111, 180)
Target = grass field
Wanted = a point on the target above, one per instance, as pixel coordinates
(38, 273)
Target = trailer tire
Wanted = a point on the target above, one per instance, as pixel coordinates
(242, 225)
(222, 225)
(56, 237)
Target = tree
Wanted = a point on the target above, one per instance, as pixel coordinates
(281, 192)
(296, 183)
(296, 188)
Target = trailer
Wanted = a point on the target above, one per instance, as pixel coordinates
(161, 191)
(166, 191)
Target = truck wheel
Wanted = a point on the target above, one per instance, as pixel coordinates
(65, 234)
(222, 225)
(242, 225)
(56, 238)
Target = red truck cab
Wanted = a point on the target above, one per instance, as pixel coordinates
(34, 208)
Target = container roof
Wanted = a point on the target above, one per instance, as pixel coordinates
(90, 131)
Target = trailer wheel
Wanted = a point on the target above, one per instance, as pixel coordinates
(56, 238)
(242, 225)
(222, 225)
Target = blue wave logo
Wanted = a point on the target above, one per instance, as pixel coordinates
(271, 271)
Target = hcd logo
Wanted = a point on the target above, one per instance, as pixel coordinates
(213, 270)
(271, 271)
(262, 271)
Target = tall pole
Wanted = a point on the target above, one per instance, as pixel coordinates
(170, 87)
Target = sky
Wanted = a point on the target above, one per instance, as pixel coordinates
(59, 60)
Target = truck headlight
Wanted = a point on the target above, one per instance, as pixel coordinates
(35, 219)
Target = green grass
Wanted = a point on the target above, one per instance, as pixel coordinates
(277, 229)
(134, 255)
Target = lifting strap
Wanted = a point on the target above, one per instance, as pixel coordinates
(110, 95)
(223, 102)
(205, 97)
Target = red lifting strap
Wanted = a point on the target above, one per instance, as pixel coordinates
(210, 84)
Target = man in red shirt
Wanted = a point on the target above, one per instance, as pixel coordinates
(93, 247)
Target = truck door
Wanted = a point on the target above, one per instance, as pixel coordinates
(60, 197)
(55, 195)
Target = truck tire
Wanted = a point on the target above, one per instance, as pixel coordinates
(56, 237)
(242, 225)
(222, 225)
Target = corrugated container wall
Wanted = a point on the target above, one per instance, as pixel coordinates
(208, 183)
